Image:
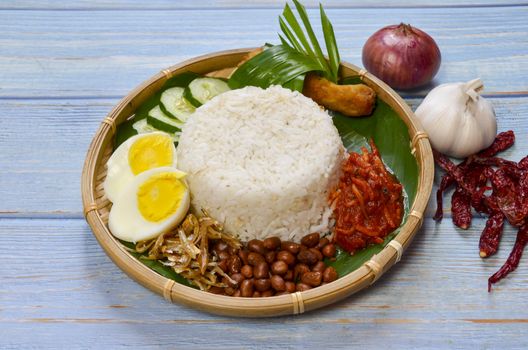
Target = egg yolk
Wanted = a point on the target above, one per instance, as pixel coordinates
(160, 196)
(150, 152)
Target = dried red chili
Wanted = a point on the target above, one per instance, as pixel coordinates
(502, 142)
(513, 260)
(505, 194)
(445, 183)
(508, 199)
(461, 208)
(368, 201)
(490, 237)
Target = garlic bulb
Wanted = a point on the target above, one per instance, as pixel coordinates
(457, 119)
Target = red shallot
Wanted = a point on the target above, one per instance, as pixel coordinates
(402, 56)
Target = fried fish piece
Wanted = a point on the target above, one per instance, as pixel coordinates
(351, 100)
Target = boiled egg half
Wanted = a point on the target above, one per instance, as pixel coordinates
(134, 156)
(154, 202)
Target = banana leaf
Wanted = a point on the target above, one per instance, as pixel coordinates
(391, 137)
(276, 65)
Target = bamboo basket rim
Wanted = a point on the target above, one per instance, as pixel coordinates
(295, 303)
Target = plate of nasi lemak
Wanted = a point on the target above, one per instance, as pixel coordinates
(259, 182)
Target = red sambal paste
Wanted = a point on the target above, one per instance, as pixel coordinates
(368, 201)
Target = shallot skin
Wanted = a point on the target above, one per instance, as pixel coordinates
(402, 56)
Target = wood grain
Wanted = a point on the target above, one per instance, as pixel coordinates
(221, 4)
(61, 54)
(63, 65)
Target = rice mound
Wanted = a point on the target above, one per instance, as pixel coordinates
(262, 162)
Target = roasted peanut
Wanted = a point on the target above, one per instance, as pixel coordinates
(329, 274)
(234, 264)
(256, 245)
(272, 243)
(246, 288)
(270, 257)
(311, 240)
(322, 242)
(261, 270)
(277, 283)
(301, 287)
(246, 271)
(290, 287)
(282, 293)
(267, 293)
(307, 257)
(279, 267)
(262, 284)
(238, 278)
(286, 256)
(243, 255)
(216, 290)
(319, 267)
(317, 253)
(299, 270)
(288, 276)
(255, 258)
(312, 279)
(329, 250)
(292, 247)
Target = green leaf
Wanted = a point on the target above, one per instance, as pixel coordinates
(351, 80)
(296, 84)
(308, 26)
(294, 43)
(299, 39)
(331, 45)
(124, 132)
(390, 134)
(274, 66)
(346, 263)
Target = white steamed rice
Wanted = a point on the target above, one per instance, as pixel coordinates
(262, 161)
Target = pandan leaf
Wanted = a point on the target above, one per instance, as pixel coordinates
(275, 66)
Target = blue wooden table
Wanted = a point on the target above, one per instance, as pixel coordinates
(63, 65)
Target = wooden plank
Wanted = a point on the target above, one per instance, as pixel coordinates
(59, 286)
(222, 4)
(61, 54)
(44, 143)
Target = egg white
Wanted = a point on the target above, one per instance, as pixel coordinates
(119, 174)
(125, 220)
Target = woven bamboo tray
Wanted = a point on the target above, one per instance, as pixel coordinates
(96, 205)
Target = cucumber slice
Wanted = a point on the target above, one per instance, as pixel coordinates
(175, 105)
(201, 90)
(142, 127)
(163, 122)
